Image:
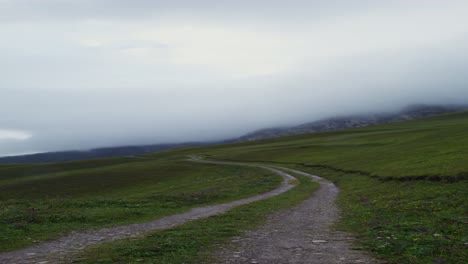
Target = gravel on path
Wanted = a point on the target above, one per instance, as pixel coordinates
(302, 234)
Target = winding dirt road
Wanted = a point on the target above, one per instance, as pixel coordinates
(301, 234)
(65, 249)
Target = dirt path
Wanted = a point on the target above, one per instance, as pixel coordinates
(64, 250)
(297, 235)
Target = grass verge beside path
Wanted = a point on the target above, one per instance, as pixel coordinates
(404, 186)
(404, 222)
(193, 242)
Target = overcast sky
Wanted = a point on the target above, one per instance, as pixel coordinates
(78, 74)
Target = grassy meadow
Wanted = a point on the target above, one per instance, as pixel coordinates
(404, 186)
(193, 242)
(40, 202)
(404, 192)
(432, 147)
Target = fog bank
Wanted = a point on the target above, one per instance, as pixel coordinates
(84, 74)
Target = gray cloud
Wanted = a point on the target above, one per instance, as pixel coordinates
(21, 10)
(83, 74)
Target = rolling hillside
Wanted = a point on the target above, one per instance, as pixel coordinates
(403, 190)
(343, 122)
(404, 185)
(73, 155)
(329, 124)
(40, 202)
(429, 148)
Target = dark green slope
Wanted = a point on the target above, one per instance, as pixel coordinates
(435, 146)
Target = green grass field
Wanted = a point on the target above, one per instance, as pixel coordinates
(193, 242)
(436, 146)
(46, 201)
(404, 190)
(404, 185)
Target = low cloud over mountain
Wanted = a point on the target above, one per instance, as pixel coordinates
(84, 74)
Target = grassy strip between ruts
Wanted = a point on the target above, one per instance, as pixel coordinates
(404, 222)
(193, 242)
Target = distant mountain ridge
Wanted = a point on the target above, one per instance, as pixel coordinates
(62, 156)
(343, 122)
(329, 124)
